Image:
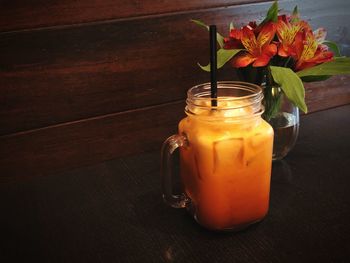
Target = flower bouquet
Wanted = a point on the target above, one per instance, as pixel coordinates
(279, 54)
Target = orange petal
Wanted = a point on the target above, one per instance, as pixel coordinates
(304, 65)
(243, 59)
(310, 46)
(305, 26)
(261, 61)
(282, 29)
(270, 50)
(283, 51)
(249, 40)
(236, 33)
(321, 56)
(266, 34)
(282, 18)
(298, 44)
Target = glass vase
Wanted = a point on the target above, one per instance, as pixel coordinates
(283, 116)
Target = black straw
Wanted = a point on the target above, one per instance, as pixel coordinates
(213, 66)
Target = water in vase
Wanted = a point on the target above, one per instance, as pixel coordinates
(286, 129)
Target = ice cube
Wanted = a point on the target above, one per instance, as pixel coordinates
(203, 154)
(256, 140)
(258, 147)
(228, 155)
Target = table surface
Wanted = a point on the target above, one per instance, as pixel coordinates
(113, 211)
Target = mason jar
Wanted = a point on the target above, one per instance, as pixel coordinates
(225, 157)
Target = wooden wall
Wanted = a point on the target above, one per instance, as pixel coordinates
(87, 81)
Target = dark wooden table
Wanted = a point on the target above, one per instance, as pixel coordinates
(113, 211)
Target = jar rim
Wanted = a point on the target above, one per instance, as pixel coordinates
(255, 90)
(236, 100)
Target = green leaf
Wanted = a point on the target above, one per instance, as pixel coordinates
(291, 85)
(200, 23)
(231, 26)
(295, 11)
(295, 15)
(333, 46)
(315, 78)
(339, 66)
(272, 102)
(272, 14)
(223, 56)
(219, 38)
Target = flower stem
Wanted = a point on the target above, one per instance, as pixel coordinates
(287, 62)
(272, 97)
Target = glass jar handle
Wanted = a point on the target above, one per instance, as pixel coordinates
(168, 148)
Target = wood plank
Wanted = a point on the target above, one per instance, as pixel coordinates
(90, 141)
(328, 94)
(84, 142)
(76, 73)
(17, 14)
(73, 73)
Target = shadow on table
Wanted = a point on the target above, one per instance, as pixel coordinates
(152, 213)
(281, 172)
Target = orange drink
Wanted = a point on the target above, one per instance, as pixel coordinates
(226, 156)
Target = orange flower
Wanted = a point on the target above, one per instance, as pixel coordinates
(309, 52)
(234, 41)
(258, 50)
(286, 32)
